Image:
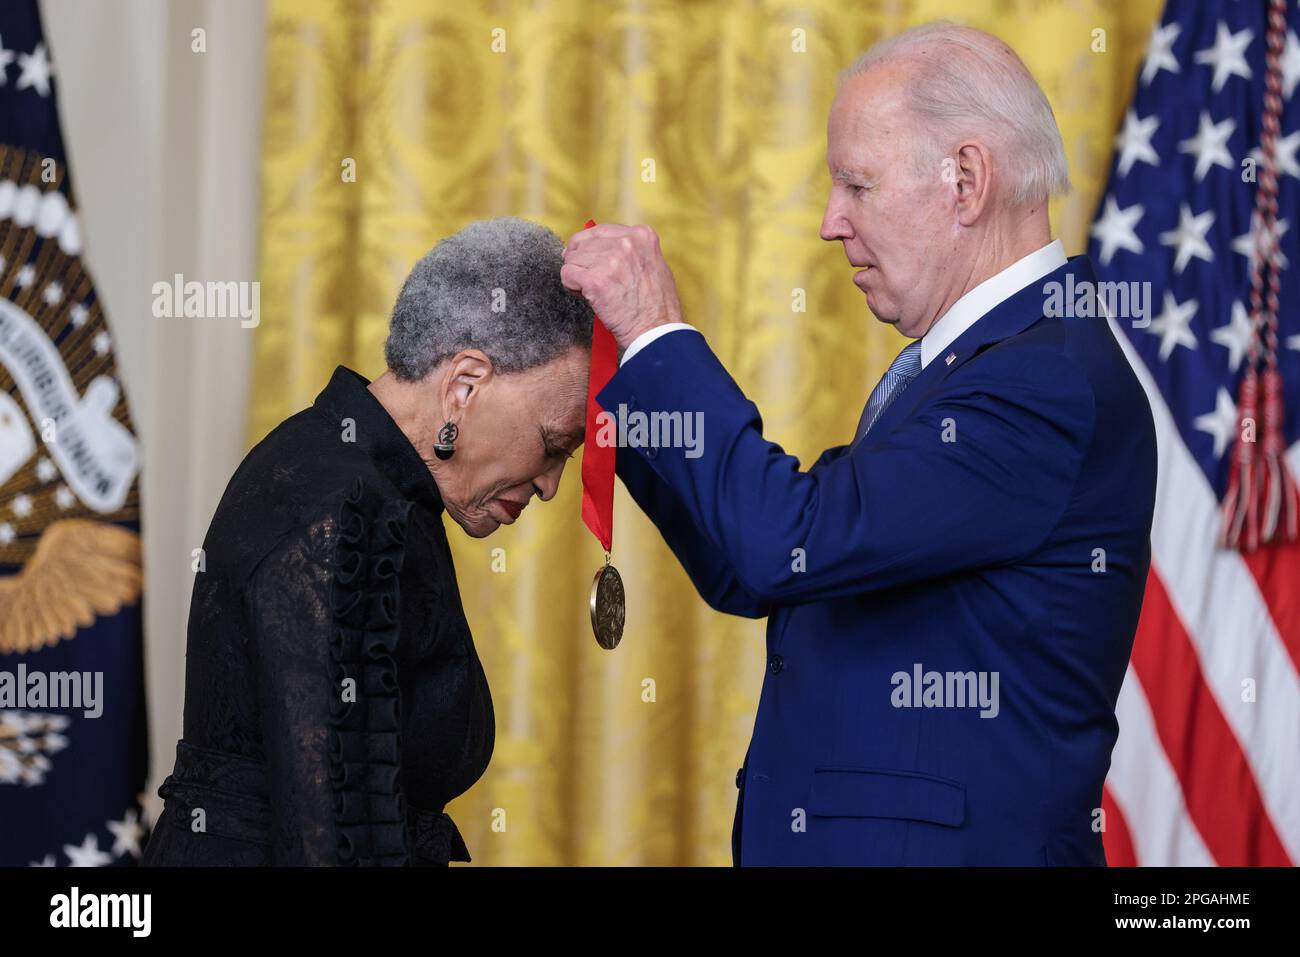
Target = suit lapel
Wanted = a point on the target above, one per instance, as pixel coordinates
(1008, 318)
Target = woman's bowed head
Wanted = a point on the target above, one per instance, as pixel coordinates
(487, 369)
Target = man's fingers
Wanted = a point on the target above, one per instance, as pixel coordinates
(601, 231)
(590, 255)
(572, 276)
(577, 239)
(601, 249)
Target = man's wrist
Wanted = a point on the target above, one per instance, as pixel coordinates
(648, 336)
(632, 335)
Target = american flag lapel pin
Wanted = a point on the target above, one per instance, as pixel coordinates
(950, 358)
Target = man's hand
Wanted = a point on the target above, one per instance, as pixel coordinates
(621, 272)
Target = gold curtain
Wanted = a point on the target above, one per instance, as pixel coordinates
(706, 120)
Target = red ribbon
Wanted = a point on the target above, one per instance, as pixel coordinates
(598, 460)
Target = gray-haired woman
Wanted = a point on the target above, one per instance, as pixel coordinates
(334, 701)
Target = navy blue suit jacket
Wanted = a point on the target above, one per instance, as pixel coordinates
(995, 521)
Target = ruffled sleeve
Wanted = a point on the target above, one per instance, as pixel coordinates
(324, 613)
(364, 725)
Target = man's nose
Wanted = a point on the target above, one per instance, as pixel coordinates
(834, 224)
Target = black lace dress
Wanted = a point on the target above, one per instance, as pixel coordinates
(334, 701)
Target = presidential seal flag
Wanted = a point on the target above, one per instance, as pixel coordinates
(73, 748)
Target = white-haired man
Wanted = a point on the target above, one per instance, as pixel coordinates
(952, 595)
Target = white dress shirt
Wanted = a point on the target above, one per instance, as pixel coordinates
(994, 291)
(649, 336)
(965, 312)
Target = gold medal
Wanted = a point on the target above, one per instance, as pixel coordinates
(608, 608)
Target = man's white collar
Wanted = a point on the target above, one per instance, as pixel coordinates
(981, 300)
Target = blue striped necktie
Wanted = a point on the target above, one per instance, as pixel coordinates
(905, 368)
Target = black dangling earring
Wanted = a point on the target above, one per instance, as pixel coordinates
(445, 447)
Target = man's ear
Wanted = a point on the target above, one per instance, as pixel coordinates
(468, 372)
(974, 167)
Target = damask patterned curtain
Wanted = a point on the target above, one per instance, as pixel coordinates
(706, 120)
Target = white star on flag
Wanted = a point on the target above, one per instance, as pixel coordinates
(1173, 325)
(1134, 142)
(1245, 243)
(1210, 144)
(1160, 52)
(1236, 336)
(37, 70)
(1189, 237)
(1284, 155)
(1227, 56)
(1115, 229)
(1290, 64)
(1221, 423)
(126, 834)
(87, 854)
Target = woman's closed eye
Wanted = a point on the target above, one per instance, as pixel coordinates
(558, 444)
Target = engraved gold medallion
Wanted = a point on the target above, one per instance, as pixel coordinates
(608, 607)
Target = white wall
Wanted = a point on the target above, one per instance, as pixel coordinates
(163, 150)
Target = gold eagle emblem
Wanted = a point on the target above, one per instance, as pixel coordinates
(81, 569)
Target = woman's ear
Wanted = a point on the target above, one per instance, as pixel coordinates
(468, 372)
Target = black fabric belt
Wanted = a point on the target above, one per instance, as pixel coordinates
(231, 791)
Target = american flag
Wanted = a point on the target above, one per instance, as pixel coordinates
(1207, 766)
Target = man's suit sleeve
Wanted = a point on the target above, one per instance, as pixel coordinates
(709, 570)
(978, 475)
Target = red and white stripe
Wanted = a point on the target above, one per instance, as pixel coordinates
(1207, 766)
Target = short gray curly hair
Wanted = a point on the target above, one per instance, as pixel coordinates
(495, 286)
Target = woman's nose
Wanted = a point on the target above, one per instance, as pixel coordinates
(548, 483)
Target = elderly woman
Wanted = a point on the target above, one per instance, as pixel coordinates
(334, 702)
